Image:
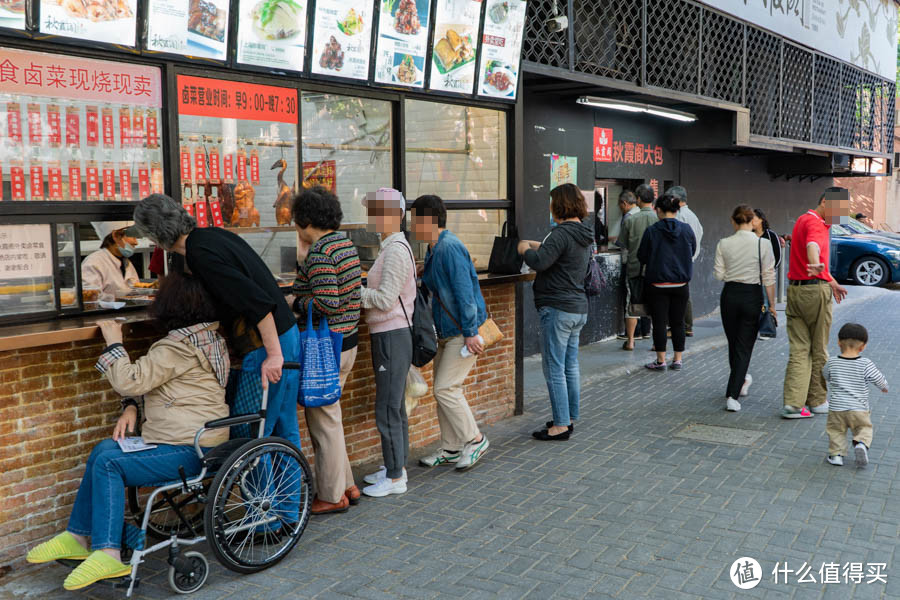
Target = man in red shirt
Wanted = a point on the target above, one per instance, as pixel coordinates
(810, 291)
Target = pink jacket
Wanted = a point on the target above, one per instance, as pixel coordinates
(391, 278)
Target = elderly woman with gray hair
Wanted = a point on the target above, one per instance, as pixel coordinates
(260, 327)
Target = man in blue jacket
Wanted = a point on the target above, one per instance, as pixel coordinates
(459, 311)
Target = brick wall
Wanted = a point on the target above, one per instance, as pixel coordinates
(54, 407)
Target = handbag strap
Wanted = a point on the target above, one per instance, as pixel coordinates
(400, 296)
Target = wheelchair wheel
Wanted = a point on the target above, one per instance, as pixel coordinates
(258, 505)
(164, 520)
(189, 581)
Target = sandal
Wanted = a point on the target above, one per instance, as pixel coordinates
(62, 547)
(626, 348)
(98, 566)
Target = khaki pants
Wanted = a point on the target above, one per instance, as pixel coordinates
(326, 429)
(808, 326)
(857, 421)
(455, 418)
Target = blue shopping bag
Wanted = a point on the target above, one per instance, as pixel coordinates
(320, 372)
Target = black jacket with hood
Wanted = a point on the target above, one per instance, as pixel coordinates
(666, 250)
(561, 264)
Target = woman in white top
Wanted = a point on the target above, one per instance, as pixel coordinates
(109, 268)
(745, 263)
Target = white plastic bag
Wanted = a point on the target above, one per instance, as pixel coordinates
(415, 388)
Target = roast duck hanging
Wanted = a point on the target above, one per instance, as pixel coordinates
(285, 194)
(245, 213)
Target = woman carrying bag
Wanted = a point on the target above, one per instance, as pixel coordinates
(745, 263)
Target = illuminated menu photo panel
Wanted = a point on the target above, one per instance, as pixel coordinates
(342, 38)
(195, 28)
(504, 24)
(107, 21)
(12, 14)
(272, 33)
(402, 42)
(455, 46)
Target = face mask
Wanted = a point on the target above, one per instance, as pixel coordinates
(127, 251)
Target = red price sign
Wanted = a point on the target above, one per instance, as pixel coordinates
(55, 125)
(215, 213)
(125, 181)
(93, 181)
(109, 182)
(143, 181)
(214, 165)
(1, 187)
(125, 127)
(75, 180)
(242, 165)
(73, 127)
(200, 212)
(200, 165)
(109, 139)
(254, 166)
(37, 182)
(14, 122)
(185, 165)
(152, 130)
(223, 99)
(54, 182)
(229, 168)
(17, 181)
(34, 124)
(93, 125)
(156, 178)
(138, 135)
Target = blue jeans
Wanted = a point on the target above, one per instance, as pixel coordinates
(559, 359)
(99, 510)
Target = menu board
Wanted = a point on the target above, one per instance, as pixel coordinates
(12, 14)
(190, 27)
(272, 33)
(455, 38)
(498, 74)
(110, 21)
(402, 42)
(342, 38)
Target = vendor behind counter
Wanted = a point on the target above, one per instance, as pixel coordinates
(109, 268)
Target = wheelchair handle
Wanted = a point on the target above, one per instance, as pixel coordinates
(291, 365)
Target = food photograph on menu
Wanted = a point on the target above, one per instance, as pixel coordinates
(402, 42)
(190, 27)
(342, 38)
(110, 21)
(502, 44)
(453, 55)
(12, 14)
(272, 33)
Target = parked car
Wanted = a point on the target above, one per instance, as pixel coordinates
(864, 258)
(854, 226)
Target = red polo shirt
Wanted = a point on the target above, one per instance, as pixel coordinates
(810, 228)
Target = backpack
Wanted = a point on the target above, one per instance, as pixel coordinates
(424, 333)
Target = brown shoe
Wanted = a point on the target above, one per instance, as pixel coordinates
(352, 494)
(320, 507)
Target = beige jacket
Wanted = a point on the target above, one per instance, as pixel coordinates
(182, 379)
(103, 270)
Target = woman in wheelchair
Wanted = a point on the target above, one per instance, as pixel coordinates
(182, 379)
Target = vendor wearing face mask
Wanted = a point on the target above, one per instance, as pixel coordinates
(109, 268)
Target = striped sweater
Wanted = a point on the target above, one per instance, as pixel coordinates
(330, 280)
(848, 382)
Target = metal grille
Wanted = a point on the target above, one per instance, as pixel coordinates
(541, 46)
(851, 81)
(763, 81)
(673, 39)
(796, 93)
(890, 95)
(608, 38)
(722, 75)
(826, 101)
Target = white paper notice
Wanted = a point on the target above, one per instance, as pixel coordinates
(25, 252)
(455, 44)
(192, 28)
(502, 47)
(110, 21)
(342, 38)
(272, 33)
(402, 42)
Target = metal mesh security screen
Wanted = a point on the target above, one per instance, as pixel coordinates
(722, 73)
(851, 81)
(608, 38)
(796, 90)
(541, 46)
(673, 40)
(826, 101)
(763, 81)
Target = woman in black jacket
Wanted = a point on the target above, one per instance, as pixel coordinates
(665, 255)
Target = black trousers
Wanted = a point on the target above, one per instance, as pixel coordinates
(667, 305)
(740, 305)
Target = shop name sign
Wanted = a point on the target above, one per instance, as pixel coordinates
(608, 149)
(224, 99)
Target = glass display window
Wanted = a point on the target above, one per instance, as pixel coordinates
(78, 129)
(238, 162)
(26, 268)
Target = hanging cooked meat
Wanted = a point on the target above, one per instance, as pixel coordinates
(226, 201)
(245, 213)
(285, 194)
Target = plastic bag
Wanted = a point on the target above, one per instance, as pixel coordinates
(415, 389)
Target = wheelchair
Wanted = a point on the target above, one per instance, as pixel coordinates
(251, 503)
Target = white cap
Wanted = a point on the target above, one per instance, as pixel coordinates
(104, 228)
(389, 198)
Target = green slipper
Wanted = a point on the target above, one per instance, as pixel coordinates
(99, 565)
(62, 546)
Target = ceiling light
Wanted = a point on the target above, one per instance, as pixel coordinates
(626, 106)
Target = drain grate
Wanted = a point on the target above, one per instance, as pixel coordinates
(714, 434)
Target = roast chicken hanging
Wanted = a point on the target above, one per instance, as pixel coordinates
(245, 213)
(285, 193)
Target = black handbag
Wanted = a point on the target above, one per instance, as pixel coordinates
(505, 258)
(768, 325)
(421, 326)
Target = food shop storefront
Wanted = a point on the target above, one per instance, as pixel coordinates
(229, 106)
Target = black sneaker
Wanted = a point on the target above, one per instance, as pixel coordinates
(550, 424)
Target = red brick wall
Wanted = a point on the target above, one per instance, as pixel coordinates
(54, 407)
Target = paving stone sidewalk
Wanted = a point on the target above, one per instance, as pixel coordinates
(624, 510)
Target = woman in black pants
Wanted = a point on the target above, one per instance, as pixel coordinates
(745, 263)
(665, 254)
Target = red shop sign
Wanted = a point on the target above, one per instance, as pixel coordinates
(603, 144)
(223, 99)
(608, 149)
(75, 180)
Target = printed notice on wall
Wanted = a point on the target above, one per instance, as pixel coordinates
(455, 42)
(25, 252)
(272, 33)
(342, 38)
(402, 42)
(501, 48)
(12, 14)
(563, 169)
(110, 21)
(189, 27)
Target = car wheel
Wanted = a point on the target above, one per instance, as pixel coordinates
(870, 271)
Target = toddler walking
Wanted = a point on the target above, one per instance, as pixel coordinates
(848, 377)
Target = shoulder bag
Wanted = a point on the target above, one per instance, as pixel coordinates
(489, 332)
(768, 325)
(421, 326)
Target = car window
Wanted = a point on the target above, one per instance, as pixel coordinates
(839, 231)
(857, 227)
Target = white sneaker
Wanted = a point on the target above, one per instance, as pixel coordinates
(385, 487)
(821, 409)
(380, 474)
(441, 457)
(862, 454)
(472, 452)
(732, 405)
(748, 381)
(835, 460)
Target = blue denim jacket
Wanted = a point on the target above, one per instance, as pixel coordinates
(450, 274)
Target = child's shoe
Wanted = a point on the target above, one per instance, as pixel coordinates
(862, 454)
(835, 460)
